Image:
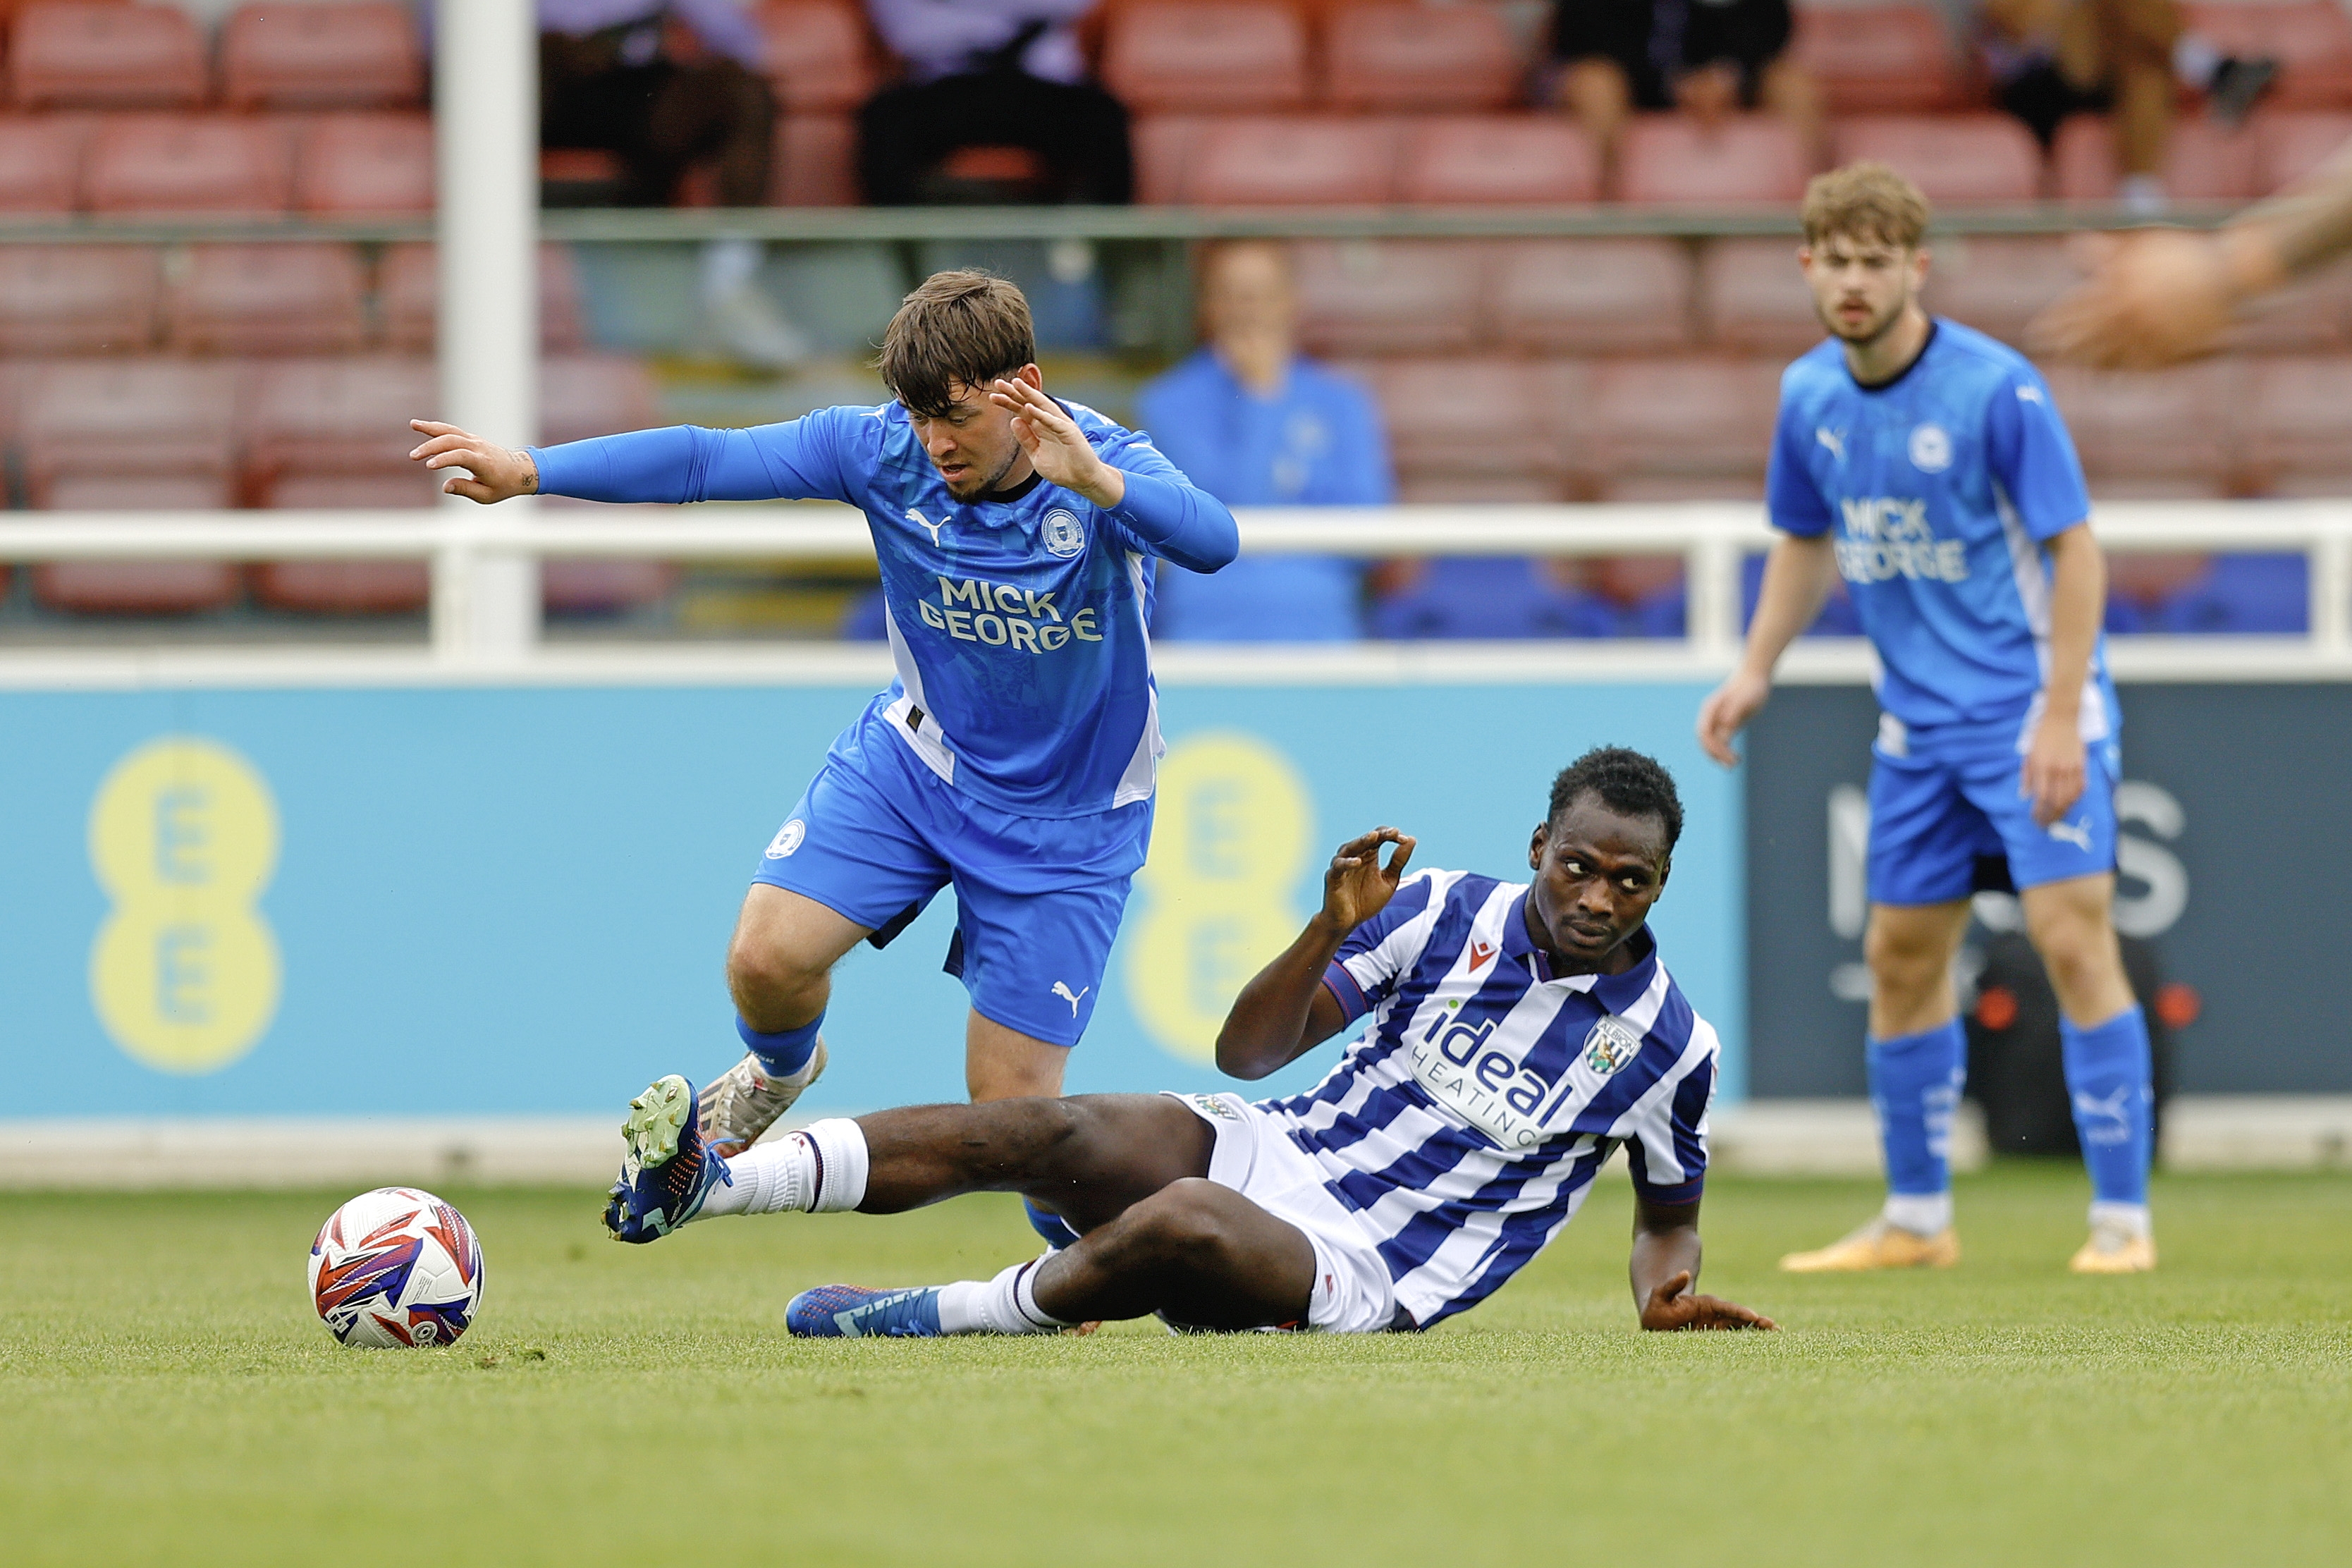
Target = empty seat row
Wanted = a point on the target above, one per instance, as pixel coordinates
(274, 297)
(1229, 54)
(330, 165)
(1967, 160)
(351, 54)
(1478, 428)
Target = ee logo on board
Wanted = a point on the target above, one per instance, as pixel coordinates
(184, 840)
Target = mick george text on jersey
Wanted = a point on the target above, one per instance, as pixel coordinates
(1000, 614)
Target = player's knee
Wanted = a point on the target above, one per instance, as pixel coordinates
(763, 974)
(1898, 961)
(1181, 1223)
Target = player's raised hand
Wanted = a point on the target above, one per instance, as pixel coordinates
(2153, 298)
(2052, 774)
(1057, 448)
(1355, 886)
(1670, 1309)
(1727, 712)
(498, 472)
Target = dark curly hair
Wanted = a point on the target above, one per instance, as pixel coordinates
(1628, 783)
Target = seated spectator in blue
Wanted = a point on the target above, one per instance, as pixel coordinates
(1255, 423)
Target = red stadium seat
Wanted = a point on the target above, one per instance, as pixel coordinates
(1660, 429)
(582, 396)
(1390, 296)
(1754, 298)
(341, 418)
(817, 56)
(1294, 161)
(1592, 296)
(2296, 422)
(112, 418)
(408, 293)
(78, 298)
(174, 163)
(1959, 160)
(1211, 55)
(2206, 161)
(2291, 144)
(1750, 161)
(595, 585)
(1443, 416)
(64, 55)
(347, 587)
(352, 165)
(1391, 58)
(268, 298)
(1998, 283)
(40, 164)
(346, 55)
(136, 587)
(1494, 158)
(2311, 40)
(1164, 144)
(2154, 435)
(1880, 59)
(817, 162)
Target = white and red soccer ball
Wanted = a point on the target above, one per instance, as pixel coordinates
(396, 1267)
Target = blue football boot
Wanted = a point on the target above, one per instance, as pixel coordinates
(667, 1172)
(856, 1312)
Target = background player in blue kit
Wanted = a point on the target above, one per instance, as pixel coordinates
(1926, 464)
(1015, 753)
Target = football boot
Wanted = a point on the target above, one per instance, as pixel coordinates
(856, 1312)
(745, 1100)
(1881, 1243)
(667, 1170)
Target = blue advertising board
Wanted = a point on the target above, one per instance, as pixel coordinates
(457, 900)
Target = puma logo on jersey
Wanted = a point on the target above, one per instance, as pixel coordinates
(1834, 440)
(915, 516)
(2078, 833)
(1062, 989)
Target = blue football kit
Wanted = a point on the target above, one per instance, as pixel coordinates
(1940, 490)
(1015, 753)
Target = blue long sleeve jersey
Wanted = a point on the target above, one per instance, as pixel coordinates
(1017, 621)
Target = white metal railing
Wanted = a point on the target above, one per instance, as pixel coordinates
(470, 545)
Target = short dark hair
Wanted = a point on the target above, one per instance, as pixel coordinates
(1628, 783)
(968, 327)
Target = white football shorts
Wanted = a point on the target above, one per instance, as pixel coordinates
(1353, 1293)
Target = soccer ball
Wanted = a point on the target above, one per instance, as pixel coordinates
(396, 1266)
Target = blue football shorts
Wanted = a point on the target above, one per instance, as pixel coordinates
(1947, 821)
(1038, 899)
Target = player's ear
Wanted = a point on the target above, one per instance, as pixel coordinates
(1031, 374)
(1536, 842)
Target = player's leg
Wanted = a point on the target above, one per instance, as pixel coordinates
(2065, 877)
(1924, 843)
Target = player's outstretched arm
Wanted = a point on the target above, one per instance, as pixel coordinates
(500, 472)
(1796, 581)
(1664, 1266)
(1286, 1010)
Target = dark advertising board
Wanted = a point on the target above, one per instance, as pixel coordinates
(2236, 862)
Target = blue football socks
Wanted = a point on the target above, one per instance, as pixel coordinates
(1914, 1086)
(2107, 1078)
(786, 1051)
(1056, 1230)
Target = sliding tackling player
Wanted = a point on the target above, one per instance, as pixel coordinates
(1926, 464)
(1016, 752)
(1518, 1035)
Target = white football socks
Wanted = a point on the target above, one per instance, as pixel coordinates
(1921, 1213)
(1005, 1305)
(2132, 1219)
(820, 1168)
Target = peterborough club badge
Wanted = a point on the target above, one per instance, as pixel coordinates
(1612, 1043)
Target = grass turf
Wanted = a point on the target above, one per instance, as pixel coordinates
(169, 1398)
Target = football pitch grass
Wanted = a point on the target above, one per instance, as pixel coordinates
(170, 1399)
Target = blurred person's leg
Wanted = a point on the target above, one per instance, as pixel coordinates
(903, 132)
(716, 110)
(1788, 90)
(2126, 47)
(1081, 132)
(1595, 92)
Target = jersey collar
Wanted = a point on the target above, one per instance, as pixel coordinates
(1934, 328)
(1615, 993)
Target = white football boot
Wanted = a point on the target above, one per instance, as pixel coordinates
(745, 1101)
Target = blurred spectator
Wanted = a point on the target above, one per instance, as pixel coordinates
(1256, 424)
(1706, 57)
(992, 73)
(664, 84)
(2051, 59)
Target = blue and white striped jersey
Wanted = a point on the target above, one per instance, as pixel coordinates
(1467, 1123)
